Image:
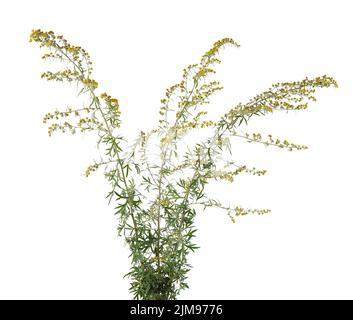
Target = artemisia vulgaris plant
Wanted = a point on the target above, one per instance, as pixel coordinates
(156, 199)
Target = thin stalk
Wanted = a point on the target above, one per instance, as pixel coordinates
(161, 177)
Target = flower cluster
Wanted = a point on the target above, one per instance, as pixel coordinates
(280, 96)
(112, 102)
(269, 141)
(210, 56)
(91, 168)
(234, 211)
(193, 91)
(64, 75)
(112, 111)
(230, 175)
(90, 83)
(240, 211)
(78, 69)
(62, 50)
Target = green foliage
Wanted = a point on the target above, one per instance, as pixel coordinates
(156, 200)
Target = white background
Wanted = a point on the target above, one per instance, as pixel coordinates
(58, 236)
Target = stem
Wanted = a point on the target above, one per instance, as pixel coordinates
(161, 176)
(95, 100)
(187, 193)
